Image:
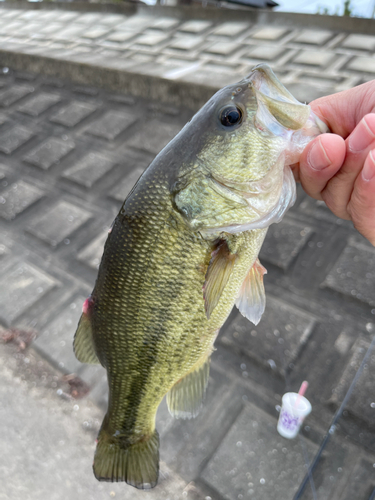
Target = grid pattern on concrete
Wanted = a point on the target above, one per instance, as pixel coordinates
(56, 210)
(68, 157)
(311, 62)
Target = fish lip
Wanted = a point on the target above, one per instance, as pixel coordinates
(264, 81)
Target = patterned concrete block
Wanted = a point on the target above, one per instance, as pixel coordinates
(95, 33)
(361, 481)
(10, 13)
(306, 92)
(212, 77)
(89, 169)
(165, 23)
(11, 139)
(223, 48)
(314, 58)
(313, 37)
(28, 15)
(354, 273)
(30, 29)
(120, 36)
(318, 209)
(269, 33)
(89, 18)
(195, 26)
(68, 33)
(362, 402)
(361, 42)
(188, 444)
(186, 42)
(277, 340)
(57, 337)
(154, 136)
(13, 94)
(36, 105)
(12, 27)
(17, 198)
(96, 377)
(151, 39)
(111, 124)
(49, 152)
(26, 285)
(65, 17)
(92, 253)
(123, 188)
(49, 15)
(74, 113)
(254, 461)
(51, 29)
(362, 64)
(112, 19)
(265, 53)
(230, 29)
(59, 222)
(137, 23)
(284, 241)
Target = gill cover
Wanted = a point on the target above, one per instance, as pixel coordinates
(273, 131)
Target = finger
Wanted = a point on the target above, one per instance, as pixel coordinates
(319, 162)
(358, 145)
(362, 203)
(343, 111)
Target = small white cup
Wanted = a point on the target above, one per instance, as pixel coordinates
(292, 414)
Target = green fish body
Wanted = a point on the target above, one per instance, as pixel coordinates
(182, 251)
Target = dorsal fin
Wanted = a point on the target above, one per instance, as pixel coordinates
(185, 398)
(251, 300)
(218, 273)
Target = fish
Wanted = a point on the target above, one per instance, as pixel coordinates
(181, 253)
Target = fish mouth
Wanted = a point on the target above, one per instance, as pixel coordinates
(275, 102)
(279, 111)
(265, 81)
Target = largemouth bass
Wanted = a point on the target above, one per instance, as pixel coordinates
(182, 251)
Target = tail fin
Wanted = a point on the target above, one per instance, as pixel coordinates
(118, 460)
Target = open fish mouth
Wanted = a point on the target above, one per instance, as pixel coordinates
(278, 110)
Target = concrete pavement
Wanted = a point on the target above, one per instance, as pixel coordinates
(70, 150)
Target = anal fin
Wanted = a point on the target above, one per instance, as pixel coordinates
(185, 398)
(83, 342)
(251, 300)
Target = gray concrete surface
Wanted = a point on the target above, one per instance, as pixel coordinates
(69, 154)
(48, 439)
(168, 55)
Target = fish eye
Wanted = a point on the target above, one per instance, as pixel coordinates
(230, 116)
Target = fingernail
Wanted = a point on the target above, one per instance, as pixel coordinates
(317, 157)
(368, 171)
(363, 135)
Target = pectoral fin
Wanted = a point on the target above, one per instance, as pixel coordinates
(185, 398)
(251, 300)
(83, 343)
(218, 273)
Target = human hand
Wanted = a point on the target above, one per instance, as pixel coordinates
(339, 168)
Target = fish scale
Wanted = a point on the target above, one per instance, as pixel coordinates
(182, 251)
